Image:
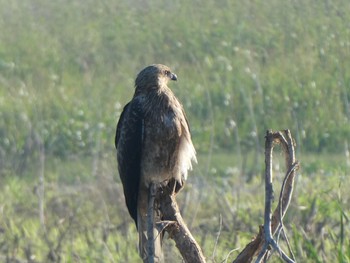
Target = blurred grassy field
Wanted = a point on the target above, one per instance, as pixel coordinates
(67, 68)
(86, 219)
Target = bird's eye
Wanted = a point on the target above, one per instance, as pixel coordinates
(167, 72)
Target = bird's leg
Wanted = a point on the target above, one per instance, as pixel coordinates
(174, 186)
(150, 221)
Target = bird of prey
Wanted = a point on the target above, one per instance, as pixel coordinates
(154, 146)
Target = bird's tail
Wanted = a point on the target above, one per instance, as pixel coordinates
(148, 230)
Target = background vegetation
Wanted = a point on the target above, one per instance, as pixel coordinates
(67, 68)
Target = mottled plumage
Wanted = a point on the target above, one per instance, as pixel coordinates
(153, 144)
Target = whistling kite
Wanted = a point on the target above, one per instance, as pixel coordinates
(154, 146)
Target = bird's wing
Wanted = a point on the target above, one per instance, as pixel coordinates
(120, 125)
(128, 141)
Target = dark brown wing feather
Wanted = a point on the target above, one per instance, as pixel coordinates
(128, 142)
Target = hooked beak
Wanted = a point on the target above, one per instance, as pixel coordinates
(173, 76)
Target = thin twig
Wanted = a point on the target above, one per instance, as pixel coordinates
(150, 222)
(280, 227)
(217, 238)
(41, 185)
(288, 244)
(228, 255)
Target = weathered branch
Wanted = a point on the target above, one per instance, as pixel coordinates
(272, 223)
(259, 247)
(177, 229)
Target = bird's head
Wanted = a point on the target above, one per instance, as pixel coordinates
(154, 77)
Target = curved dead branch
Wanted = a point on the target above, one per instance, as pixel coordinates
(265, 240)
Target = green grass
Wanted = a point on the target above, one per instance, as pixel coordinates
(67, 68)
(86, 218)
